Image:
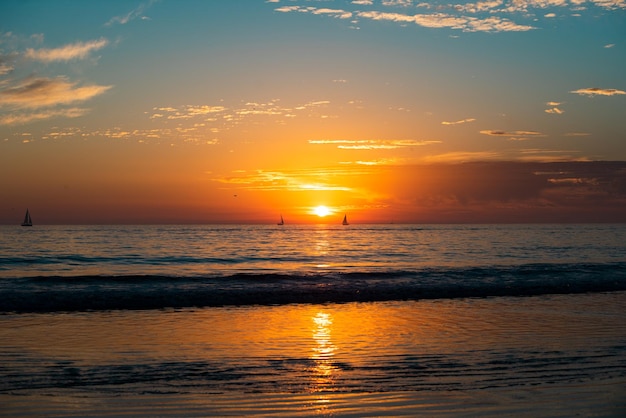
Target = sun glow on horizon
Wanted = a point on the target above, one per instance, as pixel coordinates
(321, 211)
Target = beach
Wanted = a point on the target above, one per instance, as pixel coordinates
(533, 356)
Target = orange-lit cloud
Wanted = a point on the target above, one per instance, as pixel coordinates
(33, 93)
(596, 91)
(295, 181)
(77, 50)
(435, 20)
(577, 134)
(513, 135)
(15, 118)
(442, 20)
(185, 112)
(458, 122)
(462, 156)
(462, 17)
(338, 13)
(549, 156)
(372, 144)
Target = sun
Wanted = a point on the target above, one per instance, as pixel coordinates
(321, 211)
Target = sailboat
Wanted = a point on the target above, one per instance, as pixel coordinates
(345, 220)
(27, 220)
(282, 222)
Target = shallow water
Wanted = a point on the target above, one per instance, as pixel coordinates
(549, 355)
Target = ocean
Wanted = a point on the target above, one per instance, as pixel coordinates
(313, 320)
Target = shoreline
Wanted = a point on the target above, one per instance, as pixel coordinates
(604, 398)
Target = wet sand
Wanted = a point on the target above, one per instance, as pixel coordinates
(557, 356)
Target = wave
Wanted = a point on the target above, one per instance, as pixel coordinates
(131, 292)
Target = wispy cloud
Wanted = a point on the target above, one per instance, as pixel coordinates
(574, 134)
(136, 13)
(372, 144)
(596, 91)
(458, 122)
(5, 66)
(547, 155)
(555, 111)
(295, 181)
(481, 16)
(509, 133)
(443, 20)
(461, 156)
(34, 93)
(513, 135)
(239, 113)
(435, 20)
(185, 112)
(338, 13)
(16, 118)
(77, 50)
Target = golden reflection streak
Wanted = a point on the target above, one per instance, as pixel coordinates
(323, 354)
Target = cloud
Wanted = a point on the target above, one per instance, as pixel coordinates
(5, 69)
(77, 50)
(544, 155)
(481, 6)
(461, 156)
(436, 20)
(338, 13)
(22, 118)
(513, 135)
(296, 180)
(481, 16)
(555, 111)
(593, 91)
(372, 144)
(443, 20)
(34, 93)
(186, 112)
(137, 13)
(458, 122)
(287, 9)
(609, 45)
(577, 134)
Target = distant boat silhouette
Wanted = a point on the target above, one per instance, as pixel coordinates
(282, 222)
(345, 220)
(27, 220)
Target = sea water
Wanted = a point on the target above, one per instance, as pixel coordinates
(329, 320)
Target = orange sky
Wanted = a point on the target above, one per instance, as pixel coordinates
(240, 111)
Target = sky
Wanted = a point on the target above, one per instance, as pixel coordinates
(245, 110)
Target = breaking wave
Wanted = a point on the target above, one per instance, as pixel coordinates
(132, 292)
